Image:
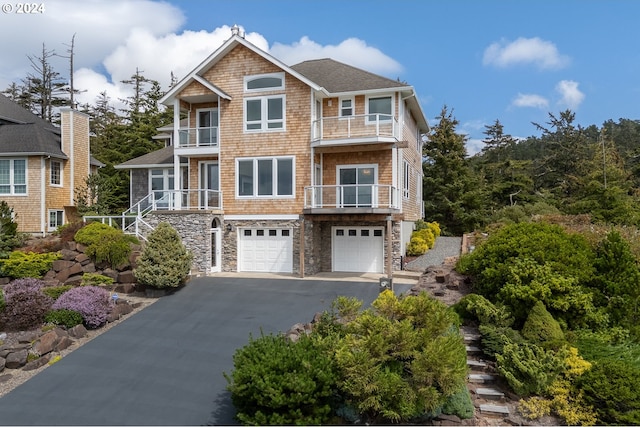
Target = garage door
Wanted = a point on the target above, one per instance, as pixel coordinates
(266, 250)
(358, 249)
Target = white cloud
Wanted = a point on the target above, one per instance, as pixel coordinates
(536, 51)
(474, 146)
(530, 100)
(571, 96)
(351, 51)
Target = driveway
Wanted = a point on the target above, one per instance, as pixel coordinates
(164, 365)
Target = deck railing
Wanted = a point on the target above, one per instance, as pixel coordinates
(357, 126)
(351, 196)
(198, 137)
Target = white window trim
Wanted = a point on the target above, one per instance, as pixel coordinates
(252, 77)
(51, 162)
(274, 172)
(406, 179)
(264, 112)
(353, 106)
(358, 166)
(12, 183)
(382, 95)
(166, 174)
(49, 212)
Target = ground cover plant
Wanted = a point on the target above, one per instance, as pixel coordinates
(558, 314)
(402, 360)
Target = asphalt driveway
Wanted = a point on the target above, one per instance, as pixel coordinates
(164, 365)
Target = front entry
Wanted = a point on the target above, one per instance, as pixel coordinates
(216, 249)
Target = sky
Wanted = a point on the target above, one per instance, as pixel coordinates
(516, 61)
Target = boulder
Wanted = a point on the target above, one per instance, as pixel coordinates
(83, 259)
(89, 268)
(126, 277)
(73, 281)
(65, 342)
(2, 363)
(77, 331)
(68, 255)
(49, 341)
(61, 264)
(39, 362)
(71, 245)
(16, 359)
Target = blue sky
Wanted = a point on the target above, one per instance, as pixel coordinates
(516, 61)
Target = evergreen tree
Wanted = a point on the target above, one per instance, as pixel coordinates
(453, 195)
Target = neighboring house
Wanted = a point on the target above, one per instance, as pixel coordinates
(42, 164)
(296, 169)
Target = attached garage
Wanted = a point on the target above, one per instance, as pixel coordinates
(357, 249)
(266, 250)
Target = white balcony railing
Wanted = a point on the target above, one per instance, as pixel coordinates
(185, 200)
(351, 196)
(359, 126)
(198, 137)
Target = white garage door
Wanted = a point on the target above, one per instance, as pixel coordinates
(266, 250)
(358, 249)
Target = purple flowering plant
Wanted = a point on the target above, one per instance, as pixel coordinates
(25, 304)
(92, 302)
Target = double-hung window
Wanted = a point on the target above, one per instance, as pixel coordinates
(55, 172)
(13, 176)
(379, 109)
(346, 107)
(265, 177)
(264, 113)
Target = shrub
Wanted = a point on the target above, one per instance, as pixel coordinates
(401, 359)
(528, 368)
(8, 230)
(105, 244)
(2, 302)
(54, 292)
(276, 381)
(477, 307)
(95, 279)
(20, 265)
(417, 246)
(91, 302)
(164, 261)
(64, 317)
(459, 404)
(26, 304)
(612, 388)
(494, 338)
(423, 238)
(540, 327)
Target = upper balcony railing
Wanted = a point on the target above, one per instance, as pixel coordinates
(198, 137)
(350, 197)
(365, 126)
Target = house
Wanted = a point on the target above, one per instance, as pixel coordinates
(41, 165)
(294, 169)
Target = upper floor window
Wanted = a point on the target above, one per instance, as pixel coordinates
(265, 113)
(265, 177)
(56, 173)
(405, 179)
(264, 82)
(346, 107)
(13, 176)
(379, 108)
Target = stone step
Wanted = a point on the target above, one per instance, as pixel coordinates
(473, 349)
(486, 408)
(471, 338)
(481, 378)
(477, 365)
(489, 393)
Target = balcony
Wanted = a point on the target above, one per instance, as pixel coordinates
(173, 200)
(202, 140)
(351, 199)
(358, 129)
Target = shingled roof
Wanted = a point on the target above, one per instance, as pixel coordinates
(162, 157)
(22, 132)
(337, 77)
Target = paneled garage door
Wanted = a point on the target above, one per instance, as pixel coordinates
(266, 250)
(358, 249)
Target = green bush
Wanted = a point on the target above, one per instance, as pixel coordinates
(279, 382)
(95, 279)
(54, 292)
(569, 255)
(105, 244)
(495, 338)
(477, 308)
(528, 368)
(460, 404)
(417, 246)
(64, 317)
(423, 238)
(541, 328)
(164, 261)
(20, 264)
(612, 387)
(8, 230)
(400, 359)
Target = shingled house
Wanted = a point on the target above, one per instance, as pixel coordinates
(291, 169)
(41, 165)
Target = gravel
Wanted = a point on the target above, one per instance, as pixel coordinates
(445, 247)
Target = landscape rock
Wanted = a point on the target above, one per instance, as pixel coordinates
(47, 342)
(16, 359)
(2, 363)
(78, 331)
(39, 362)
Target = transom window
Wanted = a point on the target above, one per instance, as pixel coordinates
(265, 177)
(264, 113)
(56, 173)
(13, 176)
(264, 82)
(379, 109)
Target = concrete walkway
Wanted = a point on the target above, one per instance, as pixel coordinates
(164, 365)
